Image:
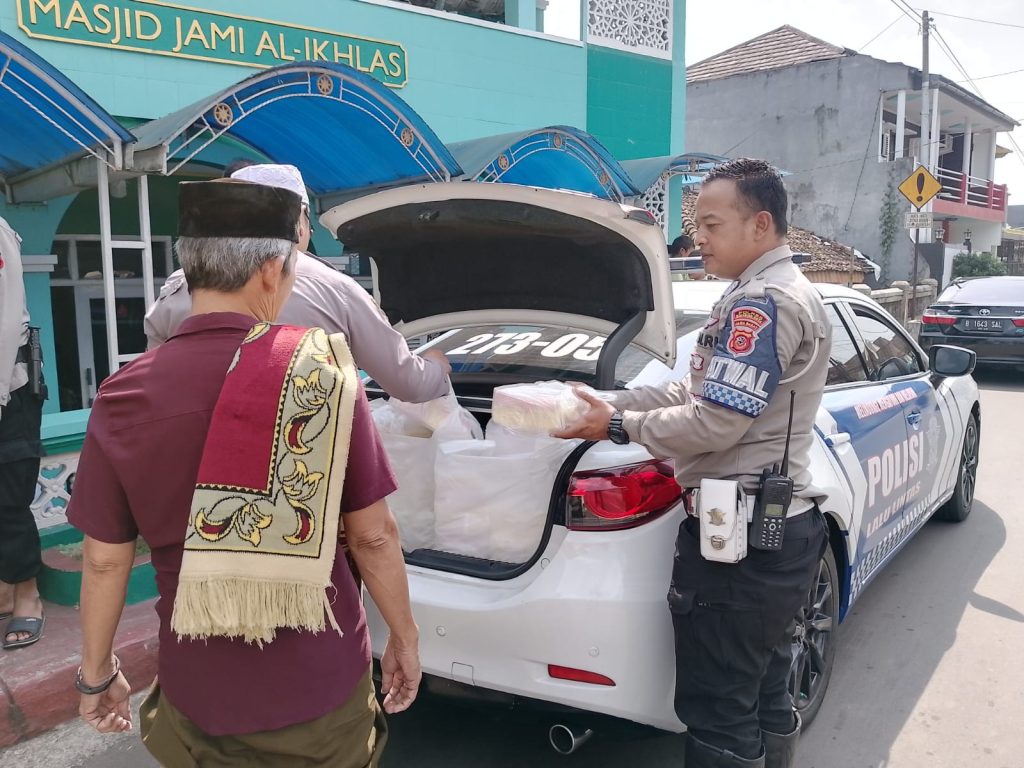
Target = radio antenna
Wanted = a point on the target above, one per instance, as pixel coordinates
(789, 433)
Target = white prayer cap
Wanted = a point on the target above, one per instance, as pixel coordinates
(284, 176)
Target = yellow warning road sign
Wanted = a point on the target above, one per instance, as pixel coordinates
(920, 187)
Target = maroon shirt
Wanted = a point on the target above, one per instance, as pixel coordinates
(136, 475)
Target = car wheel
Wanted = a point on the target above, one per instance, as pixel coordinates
(814, 641)
(958, 507)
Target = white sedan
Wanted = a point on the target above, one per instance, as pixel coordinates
(523, 284)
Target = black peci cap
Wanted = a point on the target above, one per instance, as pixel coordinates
(231, 208)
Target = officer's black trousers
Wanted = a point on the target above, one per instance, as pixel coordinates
(20, 450)
(733, 630)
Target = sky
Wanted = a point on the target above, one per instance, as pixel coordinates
(877, 28)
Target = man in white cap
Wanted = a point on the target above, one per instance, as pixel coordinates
(324, 298)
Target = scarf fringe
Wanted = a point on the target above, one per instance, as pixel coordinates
(249, 609)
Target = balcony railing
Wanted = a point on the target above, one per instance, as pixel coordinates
(971, 190)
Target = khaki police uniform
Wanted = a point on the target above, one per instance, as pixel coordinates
(20, 422)
(767, 336)
(325, 298)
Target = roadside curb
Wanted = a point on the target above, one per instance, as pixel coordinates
(37, 689)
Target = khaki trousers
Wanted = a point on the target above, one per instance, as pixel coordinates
(352, 736)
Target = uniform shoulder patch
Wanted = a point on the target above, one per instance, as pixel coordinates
(745, 368)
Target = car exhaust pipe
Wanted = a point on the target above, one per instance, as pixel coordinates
(565, 739)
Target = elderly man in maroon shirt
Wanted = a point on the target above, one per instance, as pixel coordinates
(301, 698)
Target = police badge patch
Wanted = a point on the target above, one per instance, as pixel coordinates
(747, 323)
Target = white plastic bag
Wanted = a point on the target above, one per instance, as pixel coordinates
(539, 408)
(411, 444)
(494, 505)
(443, 417)
(412, 461)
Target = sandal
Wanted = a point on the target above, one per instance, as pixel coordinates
(30, 624)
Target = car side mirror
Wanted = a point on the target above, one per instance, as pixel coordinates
(947, 360)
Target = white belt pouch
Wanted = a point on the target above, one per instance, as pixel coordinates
(722, 510)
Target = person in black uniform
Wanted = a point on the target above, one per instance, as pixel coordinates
(21, 407)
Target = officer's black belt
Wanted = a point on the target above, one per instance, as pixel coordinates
(689, 498)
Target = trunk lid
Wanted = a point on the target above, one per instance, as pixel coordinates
(449, 255)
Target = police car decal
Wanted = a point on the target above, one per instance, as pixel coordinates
(900, 439)
(745, 370)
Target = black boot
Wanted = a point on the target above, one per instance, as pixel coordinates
(780, 750)
(702, 755)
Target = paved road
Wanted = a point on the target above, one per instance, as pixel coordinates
(929, 675)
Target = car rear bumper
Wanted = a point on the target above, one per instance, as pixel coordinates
(990, 350)
(595, 602)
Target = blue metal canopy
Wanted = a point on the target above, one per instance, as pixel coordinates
(692, 166)
(46, 120)
(556, 157)
(344, 130)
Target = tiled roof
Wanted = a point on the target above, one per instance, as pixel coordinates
(825, 255)
(782, 47)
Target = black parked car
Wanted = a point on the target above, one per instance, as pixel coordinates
(985, 314)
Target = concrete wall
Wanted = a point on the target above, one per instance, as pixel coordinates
(818, 122)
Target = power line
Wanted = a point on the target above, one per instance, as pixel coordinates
(980, 21)
(1000, 74)
(863, 163)
(956, 62)
(904, 8)
(886, 29)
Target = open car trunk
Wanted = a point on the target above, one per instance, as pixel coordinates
(465, 254)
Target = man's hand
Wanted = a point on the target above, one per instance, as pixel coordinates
(400, 675)
(110, 711)
(438, 357)
(592, 425)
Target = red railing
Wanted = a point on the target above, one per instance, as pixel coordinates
(971, 190)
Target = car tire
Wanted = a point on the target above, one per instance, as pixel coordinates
(959, 506)
(815, 641)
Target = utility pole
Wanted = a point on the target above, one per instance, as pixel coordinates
(926, 96)
(926, 130)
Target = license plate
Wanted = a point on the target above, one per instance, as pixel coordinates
(983, 325)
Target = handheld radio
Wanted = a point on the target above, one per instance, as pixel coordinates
(773, 498)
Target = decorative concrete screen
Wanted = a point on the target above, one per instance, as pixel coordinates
(655, 200)
(53, 491)
(640, 26)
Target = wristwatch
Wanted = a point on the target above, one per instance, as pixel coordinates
(615, 431)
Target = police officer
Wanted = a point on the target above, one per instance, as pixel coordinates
(325, 298)
(767, 337)
(21, 406)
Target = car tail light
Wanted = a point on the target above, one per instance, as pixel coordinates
(620, 497)
(578, 675)
(1019, 322)
(933, 317)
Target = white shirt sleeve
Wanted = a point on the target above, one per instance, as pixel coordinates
(13, 313)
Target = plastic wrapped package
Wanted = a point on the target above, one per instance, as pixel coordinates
(491, 504)
(411, 445)
(540, 408)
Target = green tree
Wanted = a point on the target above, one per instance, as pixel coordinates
(977, 265)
